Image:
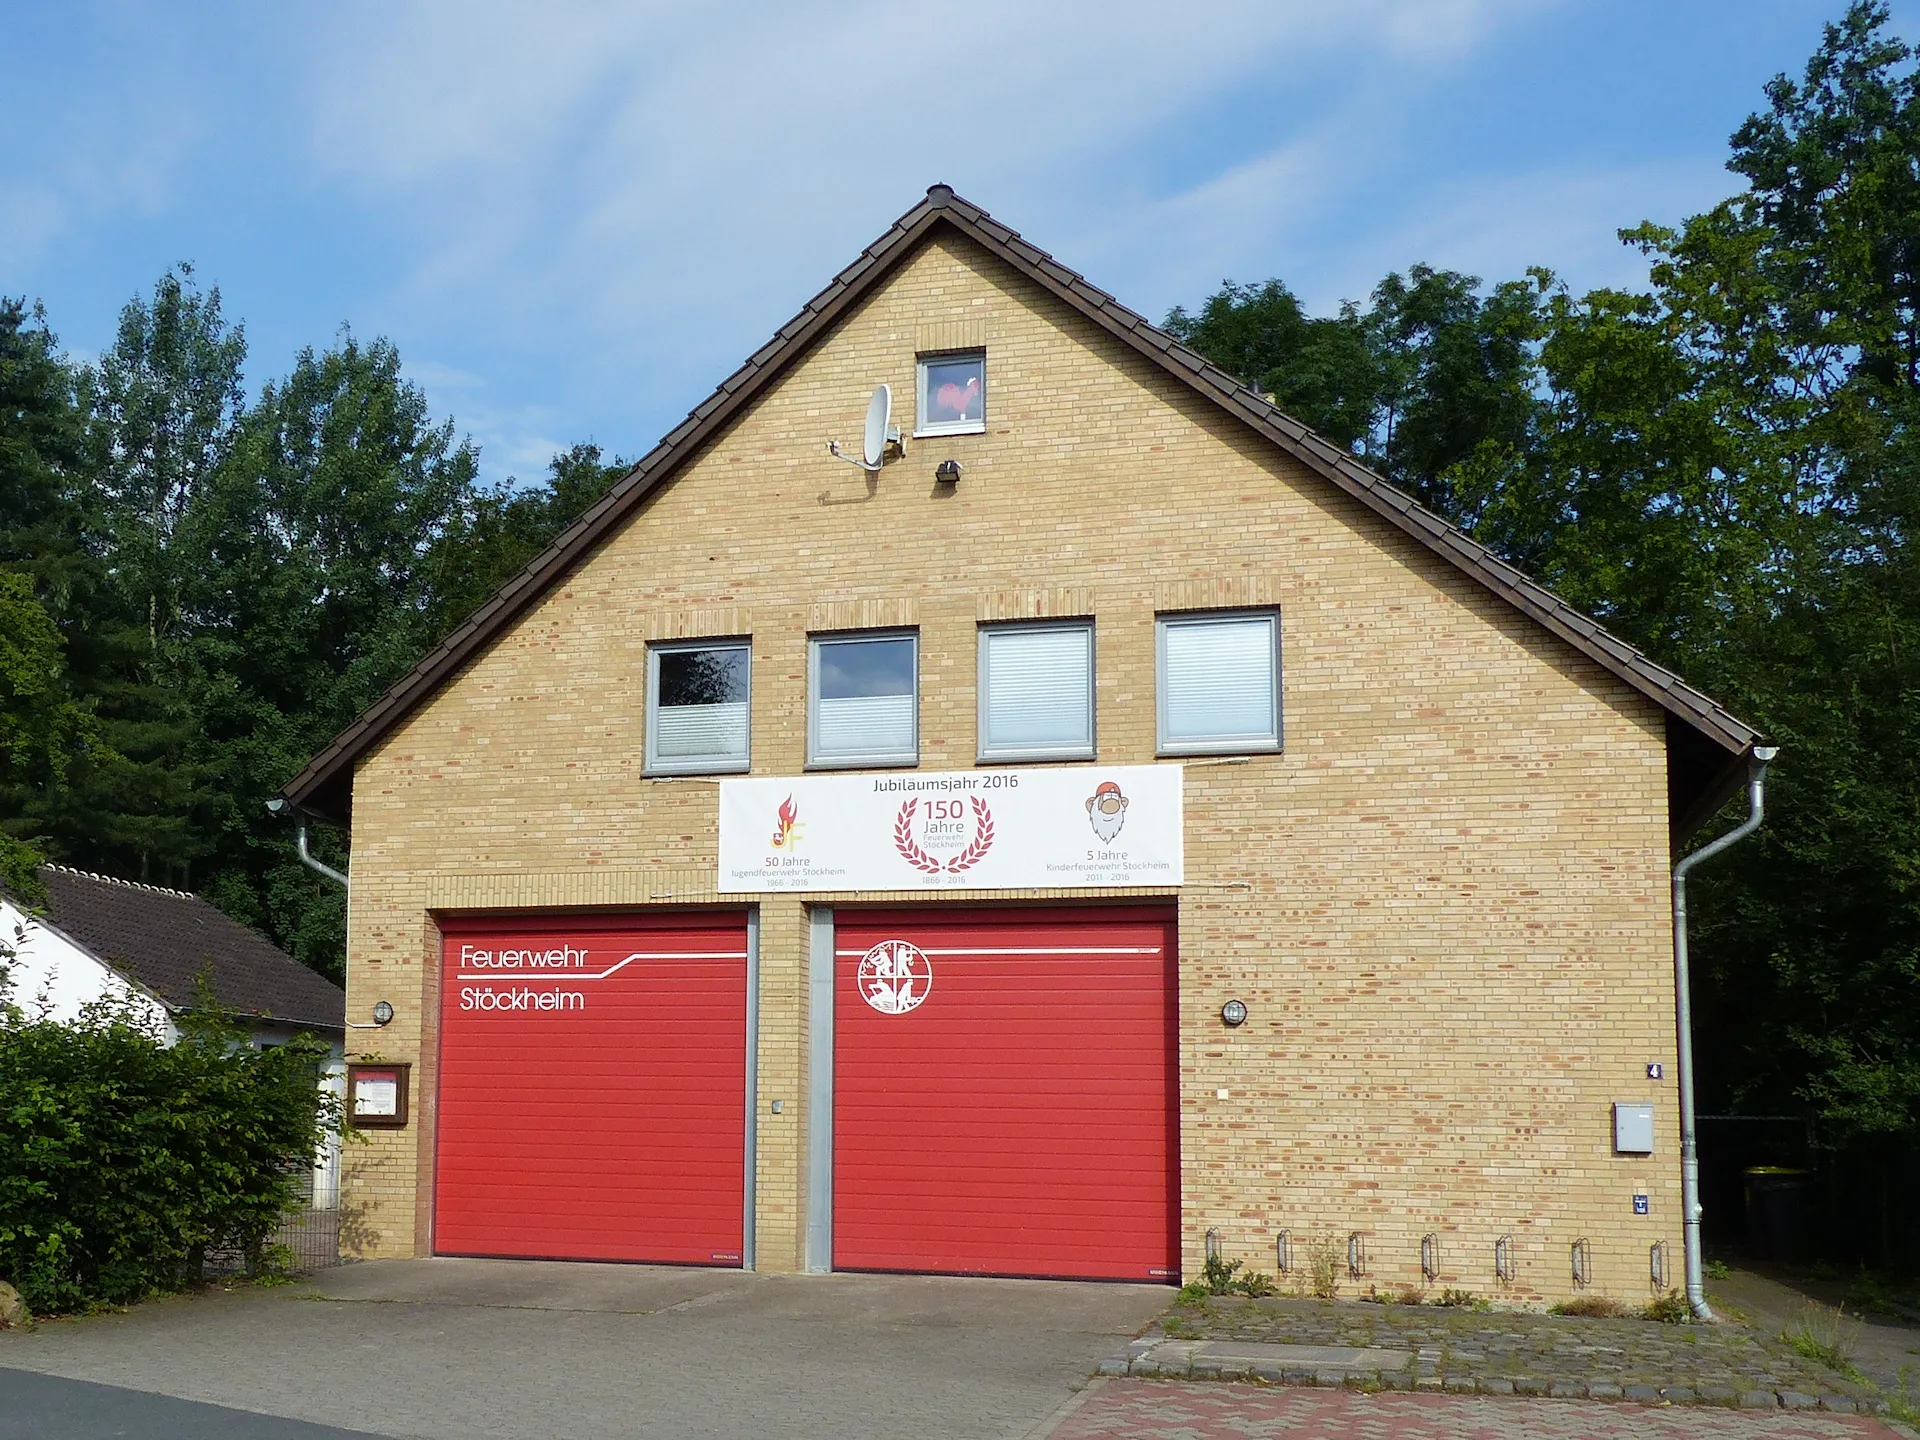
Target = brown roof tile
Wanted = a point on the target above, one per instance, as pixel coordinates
(165, 940)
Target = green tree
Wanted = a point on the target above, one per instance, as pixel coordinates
(42, 731)
(45, 474)
(1322, 371)
(305, 592)
(47, 577)
(165, 402)
(1430, 375)
(169, 396)
(1726, 469)
(1817, 929)
(501, 527)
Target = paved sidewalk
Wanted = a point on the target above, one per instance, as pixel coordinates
(1887, 1351)
(1145, 1409)
(504, 1350)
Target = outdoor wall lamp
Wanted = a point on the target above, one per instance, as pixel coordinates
(382, 1016)
(1234, 1013)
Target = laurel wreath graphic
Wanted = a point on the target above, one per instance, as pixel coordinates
(982, 838)
(926, 864)
(908, 847)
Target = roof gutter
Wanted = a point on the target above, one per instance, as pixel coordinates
(1757, 764)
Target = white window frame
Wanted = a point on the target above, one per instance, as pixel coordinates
(923, 427)
(653, 764)
(1090, 751)
(1236, 745)
(875, 759)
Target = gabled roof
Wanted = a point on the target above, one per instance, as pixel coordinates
(1712, 741)
(166, 940)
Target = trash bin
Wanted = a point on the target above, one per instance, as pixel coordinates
(1779, 1212)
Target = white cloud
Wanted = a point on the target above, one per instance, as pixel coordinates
(665, 182)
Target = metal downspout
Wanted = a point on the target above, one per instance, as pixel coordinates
(300, 844)
(1683, 1014)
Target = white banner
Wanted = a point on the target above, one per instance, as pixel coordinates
(962, 830)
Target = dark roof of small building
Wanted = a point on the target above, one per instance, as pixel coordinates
(166, 940)
(1709, 747)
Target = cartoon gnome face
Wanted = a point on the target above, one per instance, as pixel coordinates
(1107, 810)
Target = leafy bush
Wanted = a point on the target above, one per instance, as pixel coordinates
(1223, 1277)
(123, 1160)
(1668, 1309)
(1325, 1262)
(1591, 1307)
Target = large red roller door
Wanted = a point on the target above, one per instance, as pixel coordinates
(593, 1088)
(1006, 1093)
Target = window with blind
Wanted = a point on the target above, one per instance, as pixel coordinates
(1036, 692)
(864, 700)
(697, 707)
(953, 394)
(1219, 683)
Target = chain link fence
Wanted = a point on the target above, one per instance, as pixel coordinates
(306, 1239)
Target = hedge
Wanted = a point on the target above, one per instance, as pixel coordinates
(124, 1160)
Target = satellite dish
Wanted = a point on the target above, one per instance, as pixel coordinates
(879, 415)
(880, 439)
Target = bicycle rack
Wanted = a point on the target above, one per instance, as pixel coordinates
(1503, 1265)
(1582, 1263)
(1430, 1257)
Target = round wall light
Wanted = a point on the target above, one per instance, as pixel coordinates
(383, 1013)
(1234, 1013)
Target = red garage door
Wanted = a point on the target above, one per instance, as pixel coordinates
(593, 1088)
(1005, 1094)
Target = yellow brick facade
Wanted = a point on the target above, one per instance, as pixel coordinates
(1445, 903)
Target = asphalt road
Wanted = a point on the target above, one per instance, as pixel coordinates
(450, 1349)
(47, 1407)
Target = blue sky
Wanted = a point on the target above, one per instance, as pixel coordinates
(574, 219)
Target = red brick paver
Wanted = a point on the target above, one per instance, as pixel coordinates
(1147, 1408)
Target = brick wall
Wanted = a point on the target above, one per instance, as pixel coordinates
(1445, 904)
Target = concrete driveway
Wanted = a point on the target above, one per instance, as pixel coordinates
(467, 1348)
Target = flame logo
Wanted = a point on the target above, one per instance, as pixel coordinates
(786, 829)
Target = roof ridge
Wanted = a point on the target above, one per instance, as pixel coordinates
(116, 880)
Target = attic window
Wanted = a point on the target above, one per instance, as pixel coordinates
(953, 394)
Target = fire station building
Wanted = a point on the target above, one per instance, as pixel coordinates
(1099, 821)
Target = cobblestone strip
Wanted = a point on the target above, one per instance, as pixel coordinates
(1187, 1360)
(1463, 1351)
